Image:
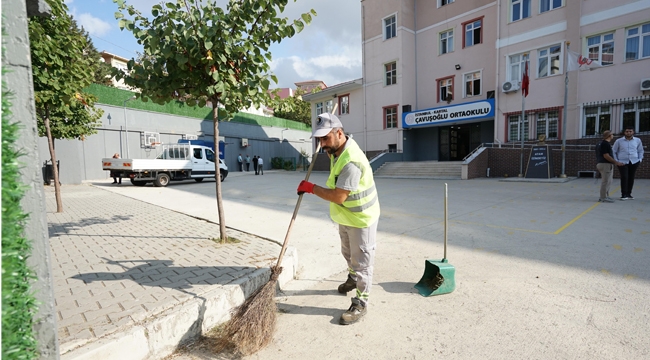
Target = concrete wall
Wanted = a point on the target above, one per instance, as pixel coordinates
(16, 58)
(81, 160)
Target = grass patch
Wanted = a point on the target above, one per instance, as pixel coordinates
(231, 240)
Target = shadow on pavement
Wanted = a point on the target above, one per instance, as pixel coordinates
(61, 229)
(311, 310)
(399, 287)
(161, 273)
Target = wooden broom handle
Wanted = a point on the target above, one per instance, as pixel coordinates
(295, 210)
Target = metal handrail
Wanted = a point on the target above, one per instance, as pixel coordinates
(473, 151)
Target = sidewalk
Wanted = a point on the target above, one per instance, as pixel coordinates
(543, 270)
(132, 280)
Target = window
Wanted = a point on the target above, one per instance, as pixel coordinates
(329, 106)
(446, 42)
(519, 9)
(198, 153)
(601, 48)
(549, 61)
(209, 155)
(513, 125)
(637, 115)
(547, 124)
(597, 120)
(390, 27)
(390, 117)
(473, 31)
(473, 84)
(446, 89)
(516, 67)
(391, 73)
(547, 5)
(344, 104)
(444, 2)
(319, 108)
(637, 45)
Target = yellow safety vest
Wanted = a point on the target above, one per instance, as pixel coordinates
(361, 208)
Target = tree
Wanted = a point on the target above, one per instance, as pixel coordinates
(104, 73)
(294, 108)
(61, 69)
(194, 50)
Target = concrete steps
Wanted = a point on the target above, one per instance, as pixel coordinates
(421, 169)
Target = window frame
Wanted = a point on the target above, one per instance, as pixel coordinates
(640, 35)
(344, 104)
(480, 85)
(637, 115)
(597, 119)
(393, 75)
(526, 123)
(385, 25)
(601, 42)
(524, 57)
(385, 116)
(521, 9)
(548, 121)
(560, 59)
(438, 87)
(550, 5)
(319, 108)
(471, 22)
(449, 41)
(442, 3)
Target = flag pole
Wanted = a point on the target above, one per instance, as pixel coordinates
(521, 134)
(564, 111)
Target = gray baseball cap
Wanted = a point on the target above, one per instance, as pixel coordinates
(325, 123)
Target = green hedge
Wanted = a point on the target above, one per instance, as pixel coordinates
(18, 302)
(113, 96)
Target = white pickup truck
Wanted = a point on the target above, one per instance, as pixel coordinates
(175, 162)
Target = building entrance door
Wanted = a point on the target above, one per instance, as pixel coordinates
(457, 141)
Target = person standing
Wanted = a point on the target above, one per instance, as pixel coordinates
(606, 162)
(248, 163)
(255, 164)
(241, 162)
(115, 174)
(354, 205)
(260, 165)
(629, 151)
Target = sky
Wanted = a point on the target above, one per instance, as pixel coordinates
(329, 49)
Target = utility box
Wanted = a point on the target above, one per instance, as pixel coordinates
(48, 172)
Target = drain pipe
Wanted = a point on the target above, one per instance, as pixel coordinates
(496, 88)
(363, 81)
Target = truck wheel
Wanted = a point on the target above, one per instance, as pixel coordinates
(161, 180)
(222, 177)
(138, 182)
(198, 180)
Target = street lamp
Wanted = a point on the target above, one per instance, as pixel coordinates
(282, 134)
(126, 129)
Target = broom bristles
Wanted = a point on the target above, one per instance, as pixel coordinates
(252, 323)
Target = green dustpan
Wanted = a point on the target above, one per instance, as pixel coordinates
(439, 275)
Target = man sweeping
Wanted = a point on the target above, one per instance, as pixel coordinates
(354, 205)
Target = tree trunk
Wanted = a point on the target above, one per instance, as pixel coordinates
(222, 216)
(55, 169)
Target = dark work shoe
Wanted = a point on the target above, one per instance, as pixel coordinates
(354, 313)
(630, 197)
(349, 285)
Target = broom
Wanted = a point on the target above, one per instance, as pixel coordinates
(252, 324)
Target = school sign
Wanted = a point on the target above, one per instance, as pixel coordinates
(472, 111)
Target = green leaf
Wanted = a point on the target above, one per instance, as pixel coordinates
(306, 18)
(122, 23)
(119, 15)
(208, 44)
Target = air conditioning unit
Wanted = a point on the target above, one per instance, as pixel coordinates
(190, 137)
(244, 142)
(645, 84)
(510, 86)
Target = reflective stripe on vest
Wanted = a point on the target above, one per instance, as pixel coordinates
(361, 208)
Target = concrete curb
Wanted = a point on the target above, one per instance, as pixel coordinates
(160, 334)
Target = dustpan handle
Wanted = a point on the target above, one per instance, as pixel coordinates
(446, 226)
